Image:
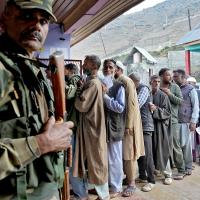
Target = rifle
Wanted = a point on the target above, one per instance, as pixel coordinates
(56, 62)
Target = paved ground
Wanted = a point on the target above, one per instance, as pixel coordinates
(187, 189)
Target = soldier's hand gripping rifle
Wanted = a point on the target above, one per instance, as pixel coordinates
(58, 85)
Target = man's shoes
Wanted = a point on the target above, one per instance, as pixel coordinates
(129, 191)
(168, 181)
(157, 173)
(114, 194)
(106, 198)
(188, 172)
(179, 176)
(148, 187)
(139, 180)
(173, 166)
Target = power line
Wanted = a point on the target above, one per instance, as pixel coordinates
(189, 20)
(103, 43)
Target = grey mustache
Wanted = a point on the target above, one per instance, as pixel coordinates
(35, 34)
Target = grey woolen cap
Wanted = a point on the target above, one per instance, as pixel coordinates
(134, 76)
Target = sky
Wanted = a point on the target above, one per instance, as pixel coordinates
(143, 5)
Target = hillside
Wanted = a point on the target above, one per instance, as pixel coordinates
(153, 28)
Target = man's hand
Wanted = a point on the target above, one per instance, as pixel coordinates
(166, 90)
(192, 126)
(55, 136)
(80, 83)
(152, 107)
(128, 131)
(104, 88)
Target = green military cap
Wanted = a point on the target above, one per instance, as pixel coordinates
(45, 5)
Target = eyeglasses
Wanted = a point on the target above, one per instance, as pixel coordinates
(108, 67)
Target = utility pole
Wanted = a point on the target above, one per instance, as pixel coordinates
(187, 53)
(189, 20)
(103, 43)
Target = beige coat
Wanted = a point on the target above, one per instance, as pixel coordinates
(133, 143)
(91, 146)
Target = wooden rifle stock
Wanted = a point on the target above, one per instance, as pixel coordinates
(58, 85)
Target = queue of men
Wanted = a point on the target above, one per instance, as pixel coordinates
(123, 122)
(105, 120)
(108, 135)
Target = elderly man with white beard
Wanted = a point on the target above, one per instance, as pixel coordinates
(114, 104)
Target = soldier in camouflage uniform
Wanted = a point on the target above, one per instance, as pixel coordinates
(30, 140)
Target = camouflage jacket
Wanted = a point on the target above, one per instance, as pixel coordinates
(25, 103)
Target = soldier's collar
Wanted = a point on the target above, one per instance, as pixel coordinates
(34, 61)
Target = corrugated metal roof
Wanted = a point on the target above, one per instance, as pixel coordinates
(83, 17)
(109, 11)
(191, 37)
(146, 54)
(150, 59)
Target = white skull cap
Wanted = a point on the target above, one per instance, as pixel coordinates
(191, 79)
(120, 65)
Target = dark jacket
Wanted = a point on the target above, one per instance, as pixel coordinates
(185, 110)
(162, 137)
(146, 115)
(70, 91)
(114, 121)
